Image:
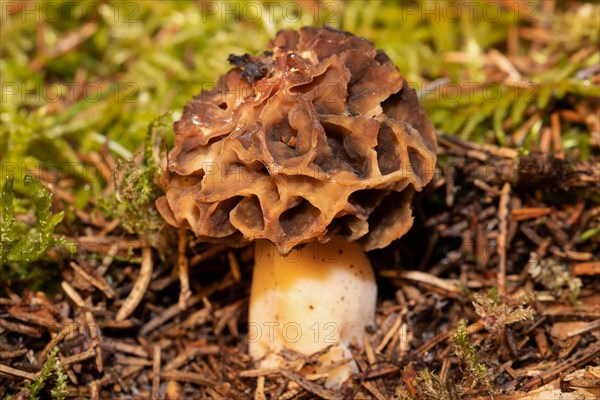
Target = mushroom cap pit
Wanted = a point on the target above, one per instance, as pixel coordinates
(320, 137)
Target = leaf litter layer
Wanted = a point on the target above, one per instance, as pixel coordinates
(493, 291)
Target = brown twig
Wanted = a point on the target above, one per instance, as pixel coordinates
(141, 284)
(584, 356)
(156, 372)
(503, 217)
(182, 262)
(310, 386)
(10, 371)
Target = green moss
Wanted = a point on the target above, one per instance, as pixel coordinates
(468, 355)
(23, 244)
(52, 379)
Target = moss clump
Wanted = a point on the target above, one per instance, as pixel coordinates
(51, 381)
(135, 187)
(555, 277)
(468, 355)
(23, 243)
(499, 313)
(431, 386)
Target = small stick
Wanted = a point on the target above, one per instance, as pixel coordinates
(167, 314)
(35, 319)
(5, 355)
(98, 282)
(234, 266)
(582, 357)
(189, 377)
(381, 371)
(207, 254)
(584, 329)
(503, 217)
(23, 329)
(545, 139)
(54, 342)
(369, 351)
(182, 359)
(370, 386)
(84, 355)
(502, 152)
(556, 138)
(156, 372)
(449, 285)
(391, 332)
(94, 391)
(128, 360)
(140, 286)
(184, 278)
(310, 386)
(110, 255)
(409, 377)
(130, 349)
(95, 336)
(503, 63)
(586, 268)
(425, 347)
(259, 394)
(73, 294)
(255, 373)
(10, 371)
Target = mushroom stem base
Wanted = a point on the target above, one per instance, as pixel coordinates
(318, 296)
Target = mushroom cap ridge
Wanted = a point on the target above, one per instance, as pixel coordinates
(320, 137)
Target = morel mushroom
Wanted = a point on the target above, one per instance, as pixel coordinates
(316, 146)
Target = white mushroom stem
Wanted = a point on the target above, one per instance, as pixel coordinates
(318, 296)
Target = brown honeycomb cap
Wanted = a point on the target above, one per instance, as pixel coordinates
(321, 136)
